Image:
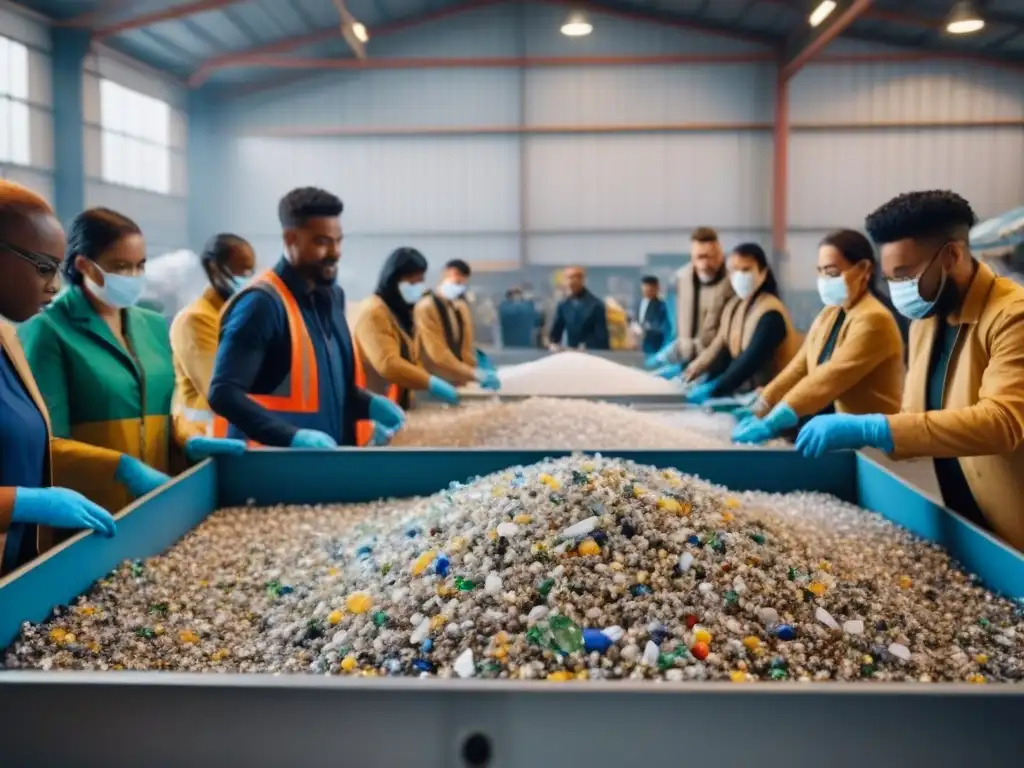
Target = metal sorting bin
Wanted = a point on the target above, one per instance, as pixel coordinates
(109, 719)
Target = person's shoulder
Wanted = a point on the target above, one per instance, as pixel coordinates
(46, 324)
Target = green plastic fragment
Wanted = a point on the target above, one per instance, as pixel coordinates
(984, 623)
(540, 634)
(778, 673)
(579, 478)
(758, 538)
(273, 588)
(867, 670)
(545, 587)
(732, 597)
(145, 632)
(567, 636)
(464, 585)
(380, 619)
(159, 608)
(137, 568)
(792, 574)
(668, 660)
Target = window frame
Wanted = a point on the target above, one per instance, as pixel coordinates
(135, 139)
(15, 109)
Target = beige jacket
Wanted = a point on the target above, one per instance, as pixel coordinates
(456, 366)
(692, 339)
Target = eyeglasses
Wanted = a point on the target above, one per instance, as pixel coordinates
(47, 266)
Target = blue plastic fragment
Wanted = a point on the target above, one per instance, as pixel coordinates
(412, 532)
(428, 645)
(364, 552)
(394, 666)
(659, 634)
(285, 589)
(441, 565)
(423, 665)
(639, 589)
(596, 640)
(785, 632)
(694, 540)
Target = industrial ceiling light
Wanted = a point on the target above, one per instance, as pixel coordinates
(821, 12)
(360, 32)
(964, 19)
(577, 25)
(354, 32)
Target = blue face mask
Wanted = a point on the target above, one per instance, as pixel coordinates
(412, 292)
(450, 290)
(833, 291)
(117, 291)
(743, 283)
(238, 282)
(906, 294)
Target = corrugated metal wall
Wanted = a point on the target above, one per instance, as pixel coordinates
(25, 28)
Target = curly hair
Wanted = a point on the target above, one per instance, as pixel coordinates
(308, 203)
(934, 214)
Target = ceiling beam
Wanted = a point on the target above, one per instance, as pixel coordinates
(156, 17)
(810, 41)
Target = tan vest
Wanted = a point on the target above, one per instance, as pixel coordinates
(692, 339)
(739, 320)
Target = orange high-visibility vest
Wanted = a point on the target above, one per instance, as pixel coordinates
(364, 427)
(299, 392)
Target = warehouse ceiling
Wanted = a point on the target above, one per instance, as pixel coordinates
(202, 39)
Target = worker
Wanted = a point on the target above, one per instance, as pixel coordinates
(519, 320)
(285, 371)
(852, 358)
(963, 403)
(444, 333)
(702, 291)
(580, 318)
(755, 341)
(387, 358)
(104, 366)
(652, 317)
(228, 261)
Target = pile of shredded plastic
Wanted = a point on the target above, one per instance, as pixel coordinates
(580, 568)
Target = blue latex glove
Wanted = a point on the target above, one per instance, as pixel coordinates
(137, 477)
(312, 438)
(381, 435)
(701, 392)
(670, 371)
(60, 508)
(755, 430)
(662, 357)
(442, 390)
(836, 432)
(483, 361)
(199, 448)
(386, 413)
(488, 379)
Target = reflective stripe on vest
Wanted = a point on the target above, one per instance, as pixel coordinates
(364, 427)
(299, 392)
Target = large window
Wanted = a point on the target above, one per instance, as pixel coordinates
(14, 117)
(136, 138)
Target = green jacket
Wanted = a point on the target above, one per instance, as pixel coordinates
(99, 393)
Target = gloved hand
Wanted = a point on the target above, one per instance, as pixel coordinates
(137, 477)
(60, 508)
(836, 432)
(312, 438)
(755, 430)
(381, 435)
(662, 357)
(488, 379)
(670, 371)
(199, 448)
(442, 390)
(701, 392)
(483, 361)
(386, 413)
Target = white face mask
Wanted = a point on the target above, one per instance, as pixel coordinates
(117, 291)
(450, 290)
(743, 283)
(412, 292)
(833, 291)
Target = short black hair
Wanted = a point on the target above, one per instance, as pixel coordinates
(305, 203)
(934, 214)
(91, 233)
(650, 280)
(459, 266)
(219, 247)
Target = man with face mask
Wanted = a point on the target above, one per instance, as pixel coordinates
(285, 373)
(963, 401)
(702, 291)
(444, 331)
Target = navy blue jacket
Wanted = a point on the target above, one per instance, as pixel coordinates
(582, 320)
(519, 319)
(254, 357)
(656, 326)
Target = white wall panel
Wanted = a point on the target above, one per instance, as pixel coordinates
(37, 180)
(23, 25)
(163, 219)
(623, 248)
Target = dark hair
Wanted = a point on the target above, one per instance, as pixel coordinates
(650, 280)
(459, 266)
(91, 233)
(305, 203)
(856, 248)
(219, 247)
(935, 214)
(402, 263)
(756, 252)
(704, 235)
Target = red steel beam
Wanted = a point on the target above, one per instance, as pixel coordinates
(780, 168)
(815, 46)
(168, 14)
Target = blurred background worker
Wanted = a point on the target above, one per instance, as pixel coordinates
(963, 403)
(702, 291)
(104, 366)
(262, 391)
(519, 320)
(756, 339)
(387, 360)
(652, 316)
(444, 333)
(580, 319)
(852, 358)
(228, 261)
(31, 252)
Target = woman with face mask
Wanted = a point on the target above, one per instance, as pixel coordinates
(104, 366)
(387, 362)
(228, 261)
(755, 339)
(852, 358)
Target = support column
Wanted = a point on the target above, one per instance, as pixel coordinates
(203, 180)
(70, 47)
(780, 170)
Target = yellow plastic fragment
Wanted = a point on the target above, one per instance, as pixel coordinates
(737, 676)
(582, 675)
(616, 566)
(188, 637)
(642, 576)
(752, 643)
(589, 547)
(728, 516)
(522, 519)
(560, 677)
(421, 563)
(438, 621)
(220, 654)
(981, 658)
(638, 491)
(732, 503)
(159, 630)
(977, 679)
(500, 652)
(333, 571)
(456, 544)
(57, 634)
(334, 617)
(670, 505)
(817, 588)
(701, 635)
(906, 582)
(86, 610)
(359, 602)
(349, 664)
(550, 481)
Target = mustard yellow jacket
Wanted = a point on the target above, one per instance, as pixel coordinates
(864, 373)
(379, 341)
(66, 459)
(432, 345)
(982, 418)
(194, 337)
